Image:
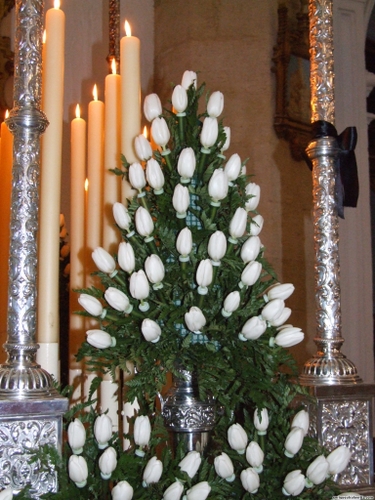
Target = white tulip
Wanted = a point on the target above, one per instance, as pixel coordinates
(91, 304)
(302, 420)
(137, 176)
(121, 216)
(209, 132)
(255, 456)
(152, 472)
(184, 243)
(152, 107)
(237, 225)
(108, 462)
(217, 246)
(283, 316)
(78, 471)
(174, 491)
(195, 319)
(218, 185)
(231, 303)
(142, 147)
(338, 460)
(118, 300)
(100, 339)
(250, 480)
(181, 200)
(186, 164)
(189, 78)
(224, 467)
(256, 225)
(280, 291)
(253, 329)
(261, 421)
(143, 222)
(237, 438)
(122, 491)
(252, 190)
(294, 483)
(191, 463)
(204, 276)
(142, 432)
(317, 471)
(104, 261)
(288, 337)
(233, 167)
(250, 249)
(6, 494)
(155, 176)
(160, 132)
(227, 139)
(250, 274)
(273, 309)
(126, 257)
(138, 286)
(76, 436)
(103, 430)
(179, 99)
(155, 271)
(150, 330)
(215, 104)
(199, 491)
(293, 441)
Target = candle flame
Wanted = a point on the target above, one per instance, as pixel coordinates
(145, 131)
(78, 111)
(44, 36)
(113, 66)
(95, 93)
(56, 4)
(7, 114)
(86, 184)
(128, 30)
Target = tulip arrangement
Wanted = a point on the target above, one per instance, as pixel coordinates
(190, 285)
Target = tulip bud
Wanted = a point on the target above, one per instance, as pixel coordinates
(231, 304)
(252, 190)
(155, 176)
(152, 472)
(179, 99)
(151, 330)
(217, 247)
(237, 438)
(250, 249)
(261, 421)
(233, 167)
(76, 436)
(6, 494)
(184, 244)
(142, 433)
(250, 274)
(301, 420)
(255, 456)
(152, 107)
(108, 462)
(224, 467)
(204, 276)
(237, 225)
(174, 491)
(186, 164)
(227, 139)
(280, 291)
(118, 300)
(253, 329)
(126, 257)
(215, 104)
(104, 261)
(103, 430)
(122, 491)
(273, 309)
(143, 222)
(137, 176)
(209, 132)
(121, 216)
(195, 319)
(218, 185)
(181, 200)
(100, 339)
(288, 337)
(317, 471)
(142, 147)
(78, 471)
(190, 463)
(91, 305)
(160, 132)
(139, 287)
(189, 78)
(256, 225)
(294, 483)
(154, 268)
(293, 442)
(250, 480)
(338, 460)
(199, 491)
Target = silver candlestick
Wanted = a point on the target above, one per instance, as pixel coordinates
(30, 407)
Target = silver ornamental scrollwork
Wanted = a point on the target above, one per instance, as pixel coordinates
(189, 418)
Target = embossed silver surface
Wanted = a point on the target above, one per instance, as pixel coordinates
(114, 33)
(329, 365)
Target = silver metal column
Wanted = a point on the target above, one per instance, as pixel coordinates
(343, 414)
(30, 408)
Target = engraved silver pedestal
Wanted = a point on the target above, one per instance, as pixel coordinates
(30, 407)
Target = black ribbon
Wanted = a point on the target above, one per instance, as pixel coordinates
(346, 172)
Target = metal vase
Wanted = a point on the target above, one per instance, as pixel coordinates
(188, 419)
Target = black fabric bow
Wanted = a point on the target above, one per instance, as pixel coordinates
(347, 186)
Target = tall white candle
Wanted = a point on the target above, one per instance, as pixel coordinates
(130, 99)
(50, 183)
(77, 226)
(111, 189)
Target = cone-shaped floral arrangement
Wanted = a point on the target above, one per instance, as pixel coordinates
(190, 287)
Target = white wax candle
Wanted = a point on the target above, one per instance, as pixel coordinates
(130, 70)
(50, 180)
